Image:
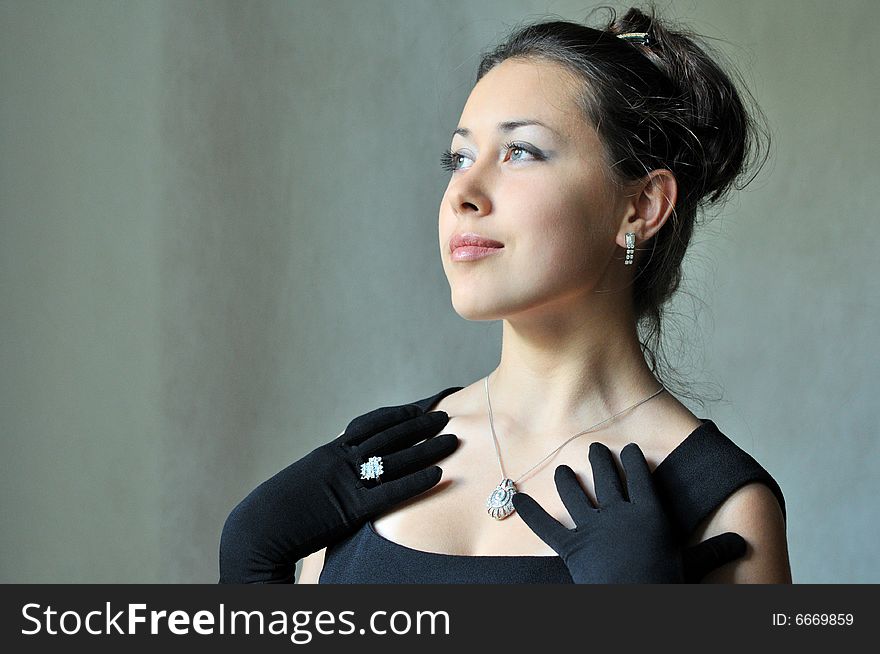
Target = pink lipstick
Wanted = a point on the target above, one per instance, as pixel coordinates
(470, 246)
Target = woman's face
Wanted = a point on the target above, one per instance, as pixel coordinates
(547, 198)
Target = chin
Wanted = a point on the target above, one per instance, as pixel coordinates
(476, 310)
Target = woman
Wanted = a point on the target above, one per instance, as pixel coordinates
(573, 143)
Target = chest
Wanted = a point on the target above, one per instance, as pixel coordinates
(452, 517)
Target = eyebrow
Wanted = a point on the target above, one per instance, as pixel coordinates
(508, 126)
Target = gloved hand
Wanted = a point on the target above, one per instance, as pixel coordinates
(320, 499)
(629, 541)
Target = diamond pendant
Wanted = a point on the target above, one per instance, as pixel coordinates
(500, 502)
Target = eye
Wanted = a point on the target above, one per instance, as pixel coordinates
(518, 147)
(449, 159)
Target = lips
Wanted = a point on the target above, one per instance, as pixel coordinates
(470, 238)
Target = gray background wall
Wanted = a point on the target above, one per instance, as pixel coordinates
(197, 200)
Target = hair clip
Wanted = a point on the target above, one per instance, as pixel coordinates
(636, 37)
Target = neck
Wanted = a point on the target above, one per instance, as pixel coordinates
(568, 367)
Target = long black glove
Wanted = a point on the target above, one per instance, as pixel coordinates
(628, 541)
(320, 499)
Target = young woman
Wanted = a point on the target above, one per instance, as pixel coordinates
(577, 169)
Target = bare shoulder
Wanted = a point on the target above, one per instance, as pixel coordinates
(663, 427)
(311, 567)
(458, 403)
(753, 512)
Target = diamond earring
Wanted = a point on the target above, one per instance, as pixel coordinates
(630, 248)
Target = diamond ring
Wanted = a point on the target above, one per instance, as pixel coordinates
(372, 468)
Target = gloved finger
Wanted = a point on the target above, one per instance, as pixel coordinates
(575, 499)
(395, 491)
(700, 559)
(639, 482)
(403, 434)
(606, 478)
(539, 521)
(377, 420)
(418, 456)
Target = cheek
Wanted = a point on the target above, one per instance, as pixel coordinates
(564, 237)
(446, 217)
(563, 219)
(445, 230)
(444, 222)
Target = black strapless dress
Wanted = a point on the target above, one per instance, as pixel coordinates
(692, 481)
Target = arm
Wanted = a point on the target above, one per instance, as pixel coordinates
(313, 564)
(320, 498)
(311, 568)
(753, 512)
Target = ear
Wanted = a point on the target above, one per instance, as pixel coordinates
(648, 204)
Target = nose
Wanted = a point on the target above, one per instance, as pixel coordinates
(469, 198)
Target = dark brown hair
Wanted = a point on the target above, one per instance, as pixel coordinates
(667, 104)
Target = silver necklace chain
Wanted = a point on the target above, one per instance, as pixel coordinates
(589, 429)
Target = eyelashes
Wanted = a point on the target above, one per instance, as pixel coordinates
(448, 158)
